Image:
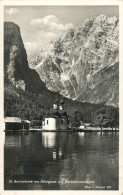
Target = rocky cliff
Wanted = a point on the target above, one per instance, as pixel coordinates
(16, 69)
(83, 63)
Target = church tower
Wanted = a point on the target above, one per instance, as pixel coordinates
(58, 118)
(61, 105)
(56, 105)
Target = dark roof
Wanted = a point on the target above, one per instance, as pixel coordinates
(59, 102)
(53, 117)
(56, 114)
(56, 101)
(62, 112)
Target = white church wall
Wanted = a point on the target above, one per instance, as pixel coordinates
(55, 124)
(50, 124)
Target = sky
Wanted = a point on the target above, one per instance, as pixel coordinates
(41, 24)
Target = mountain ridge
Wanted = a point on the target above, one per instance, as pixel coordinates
(25, 95)
(76, 64)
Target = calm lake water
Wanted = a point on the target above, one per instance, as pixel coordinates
(61, 161)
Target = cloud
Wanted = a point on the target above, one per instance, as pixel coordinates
(47, 19)
(12, 11)
(50, 23)
(44, 30)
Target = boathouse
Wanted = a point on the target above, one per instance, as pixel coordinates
(16, 123)
(57, 118)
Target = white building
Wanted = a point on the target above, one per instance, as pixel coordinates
(57, 120)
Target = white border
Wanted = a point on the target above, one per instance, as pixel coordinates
(2, 134)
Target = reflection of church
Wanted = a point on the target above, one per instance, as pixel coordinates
(57, 119)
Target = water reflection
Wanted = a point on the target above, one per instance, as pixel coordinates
(48, 139)
(61, 157)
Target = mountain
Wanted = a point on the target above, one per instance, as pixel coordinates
(25, 94)
(16, 69)
(83, 64)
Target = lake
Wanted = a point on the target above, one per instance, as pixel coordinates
(61, 161)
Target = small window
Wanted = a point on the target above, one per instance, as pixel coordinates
(62, 122)
(47, 122)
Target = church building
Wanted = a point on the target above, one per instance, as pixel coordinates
(57, 119)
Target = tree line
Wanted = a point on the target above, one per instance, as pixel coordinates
(33, 107)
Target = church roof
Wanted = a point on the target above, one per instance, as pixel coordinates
(56, 114)
(62, 112)
(59, 102)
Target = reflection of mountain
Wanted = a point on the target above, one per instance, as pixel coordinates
(62, 156)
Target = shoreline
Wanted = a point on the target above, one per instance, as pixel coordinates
(41, 130)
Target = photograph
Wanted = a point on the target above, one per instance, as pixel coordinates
(61, 97)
